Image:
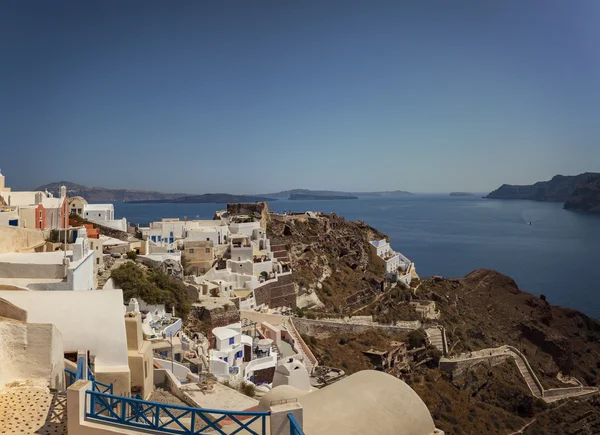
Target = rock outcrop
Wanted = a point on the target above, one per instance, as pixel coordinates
(329, 256)
(559, 188)
(585, 197)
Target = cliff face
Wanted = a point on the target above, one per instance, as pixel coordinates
(559, 188)
(487, 309)
(585, 197)
(329, 257)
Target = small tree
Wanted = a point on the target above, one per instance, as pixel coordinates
(416, 338)
(132, 255)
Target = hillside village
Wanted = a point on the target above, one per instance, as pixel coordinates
(265, 323)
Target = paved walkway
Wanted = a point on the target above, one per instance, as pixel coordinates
(31, 410)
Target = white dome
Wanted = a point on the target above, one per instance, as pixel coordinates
(278, 394)
(367, 402)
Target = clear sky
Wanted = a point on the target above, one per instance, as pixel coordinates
(260, 96)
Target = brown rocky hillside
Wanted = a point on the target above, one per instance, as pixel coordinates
(330, 256)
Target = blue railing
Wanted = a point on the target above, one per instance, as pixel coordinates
(71, 376)
(97, 386)
(172, 418)
(80, 367)
(295, 428)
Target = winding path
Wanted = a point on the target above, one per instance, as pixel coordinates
(533, 383)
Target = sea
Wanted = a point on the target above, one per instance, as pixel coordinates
(544, 248)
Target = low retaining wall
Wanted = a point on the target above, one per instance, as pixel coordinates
(459, 367)
(314, 327)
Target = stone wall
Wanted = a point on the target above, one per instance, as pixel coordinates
(319, 327)
(218, 316)
(459, 367)
(259, 210)
(111, 232)
(279, 293)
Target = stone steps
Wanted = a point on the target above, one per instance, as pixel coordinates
(305, 359)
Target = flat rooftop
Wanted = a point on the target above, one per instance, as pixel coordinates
(55, 257)
(29, 410)
(219, 397)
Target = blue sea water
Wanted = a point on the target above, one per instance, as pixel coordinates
(557, 255)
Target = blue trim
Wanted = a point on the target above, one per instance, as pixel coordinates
(161, 417)
(295, 428)
(71, 376)
(80, 367)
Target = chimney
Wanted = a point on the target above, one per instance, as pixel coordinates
(63, 192)
(38, 197)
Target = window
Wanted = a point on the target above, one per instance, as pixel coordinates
(208, 250)
(208, 239)
(231, 340)
(191, 251)
(40, 214)
(97, 261)
(225, 359)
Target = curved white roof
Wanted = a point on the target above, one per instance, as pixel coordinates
(367, 402)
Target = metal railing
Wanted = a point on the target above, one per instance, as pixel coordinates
(295, 428)
(172, 419)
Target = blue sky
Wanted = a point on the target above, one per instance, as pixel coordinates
(260, 96)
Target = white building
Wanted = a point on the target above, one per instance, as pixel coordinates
(88, 321)
(228, 355)
(236, 358)
(157, 323)
(104, 214)
(36, 209)
(170, 232)
(73, 270)
(397, 266)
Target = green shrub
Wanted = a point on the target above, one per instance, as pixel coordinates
(416, 338)
(132, 255)
(153, 286)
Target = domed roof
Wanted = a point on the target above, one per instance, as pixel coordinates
(279, 394)
(366, 402)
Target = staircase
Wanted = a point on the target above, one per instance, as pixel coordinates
(297, 340)
(436, 339)
(524, 370)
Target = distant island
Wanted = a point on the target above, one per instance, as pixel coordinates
(103, 194)
(99, 194)
(212, 198)
(321, 193)
(461, 194)
(305, 197)
(578, 192)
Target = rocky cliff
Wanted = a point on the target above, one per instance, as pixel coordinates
(585, 197)
(559, 188)
(329, 258)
